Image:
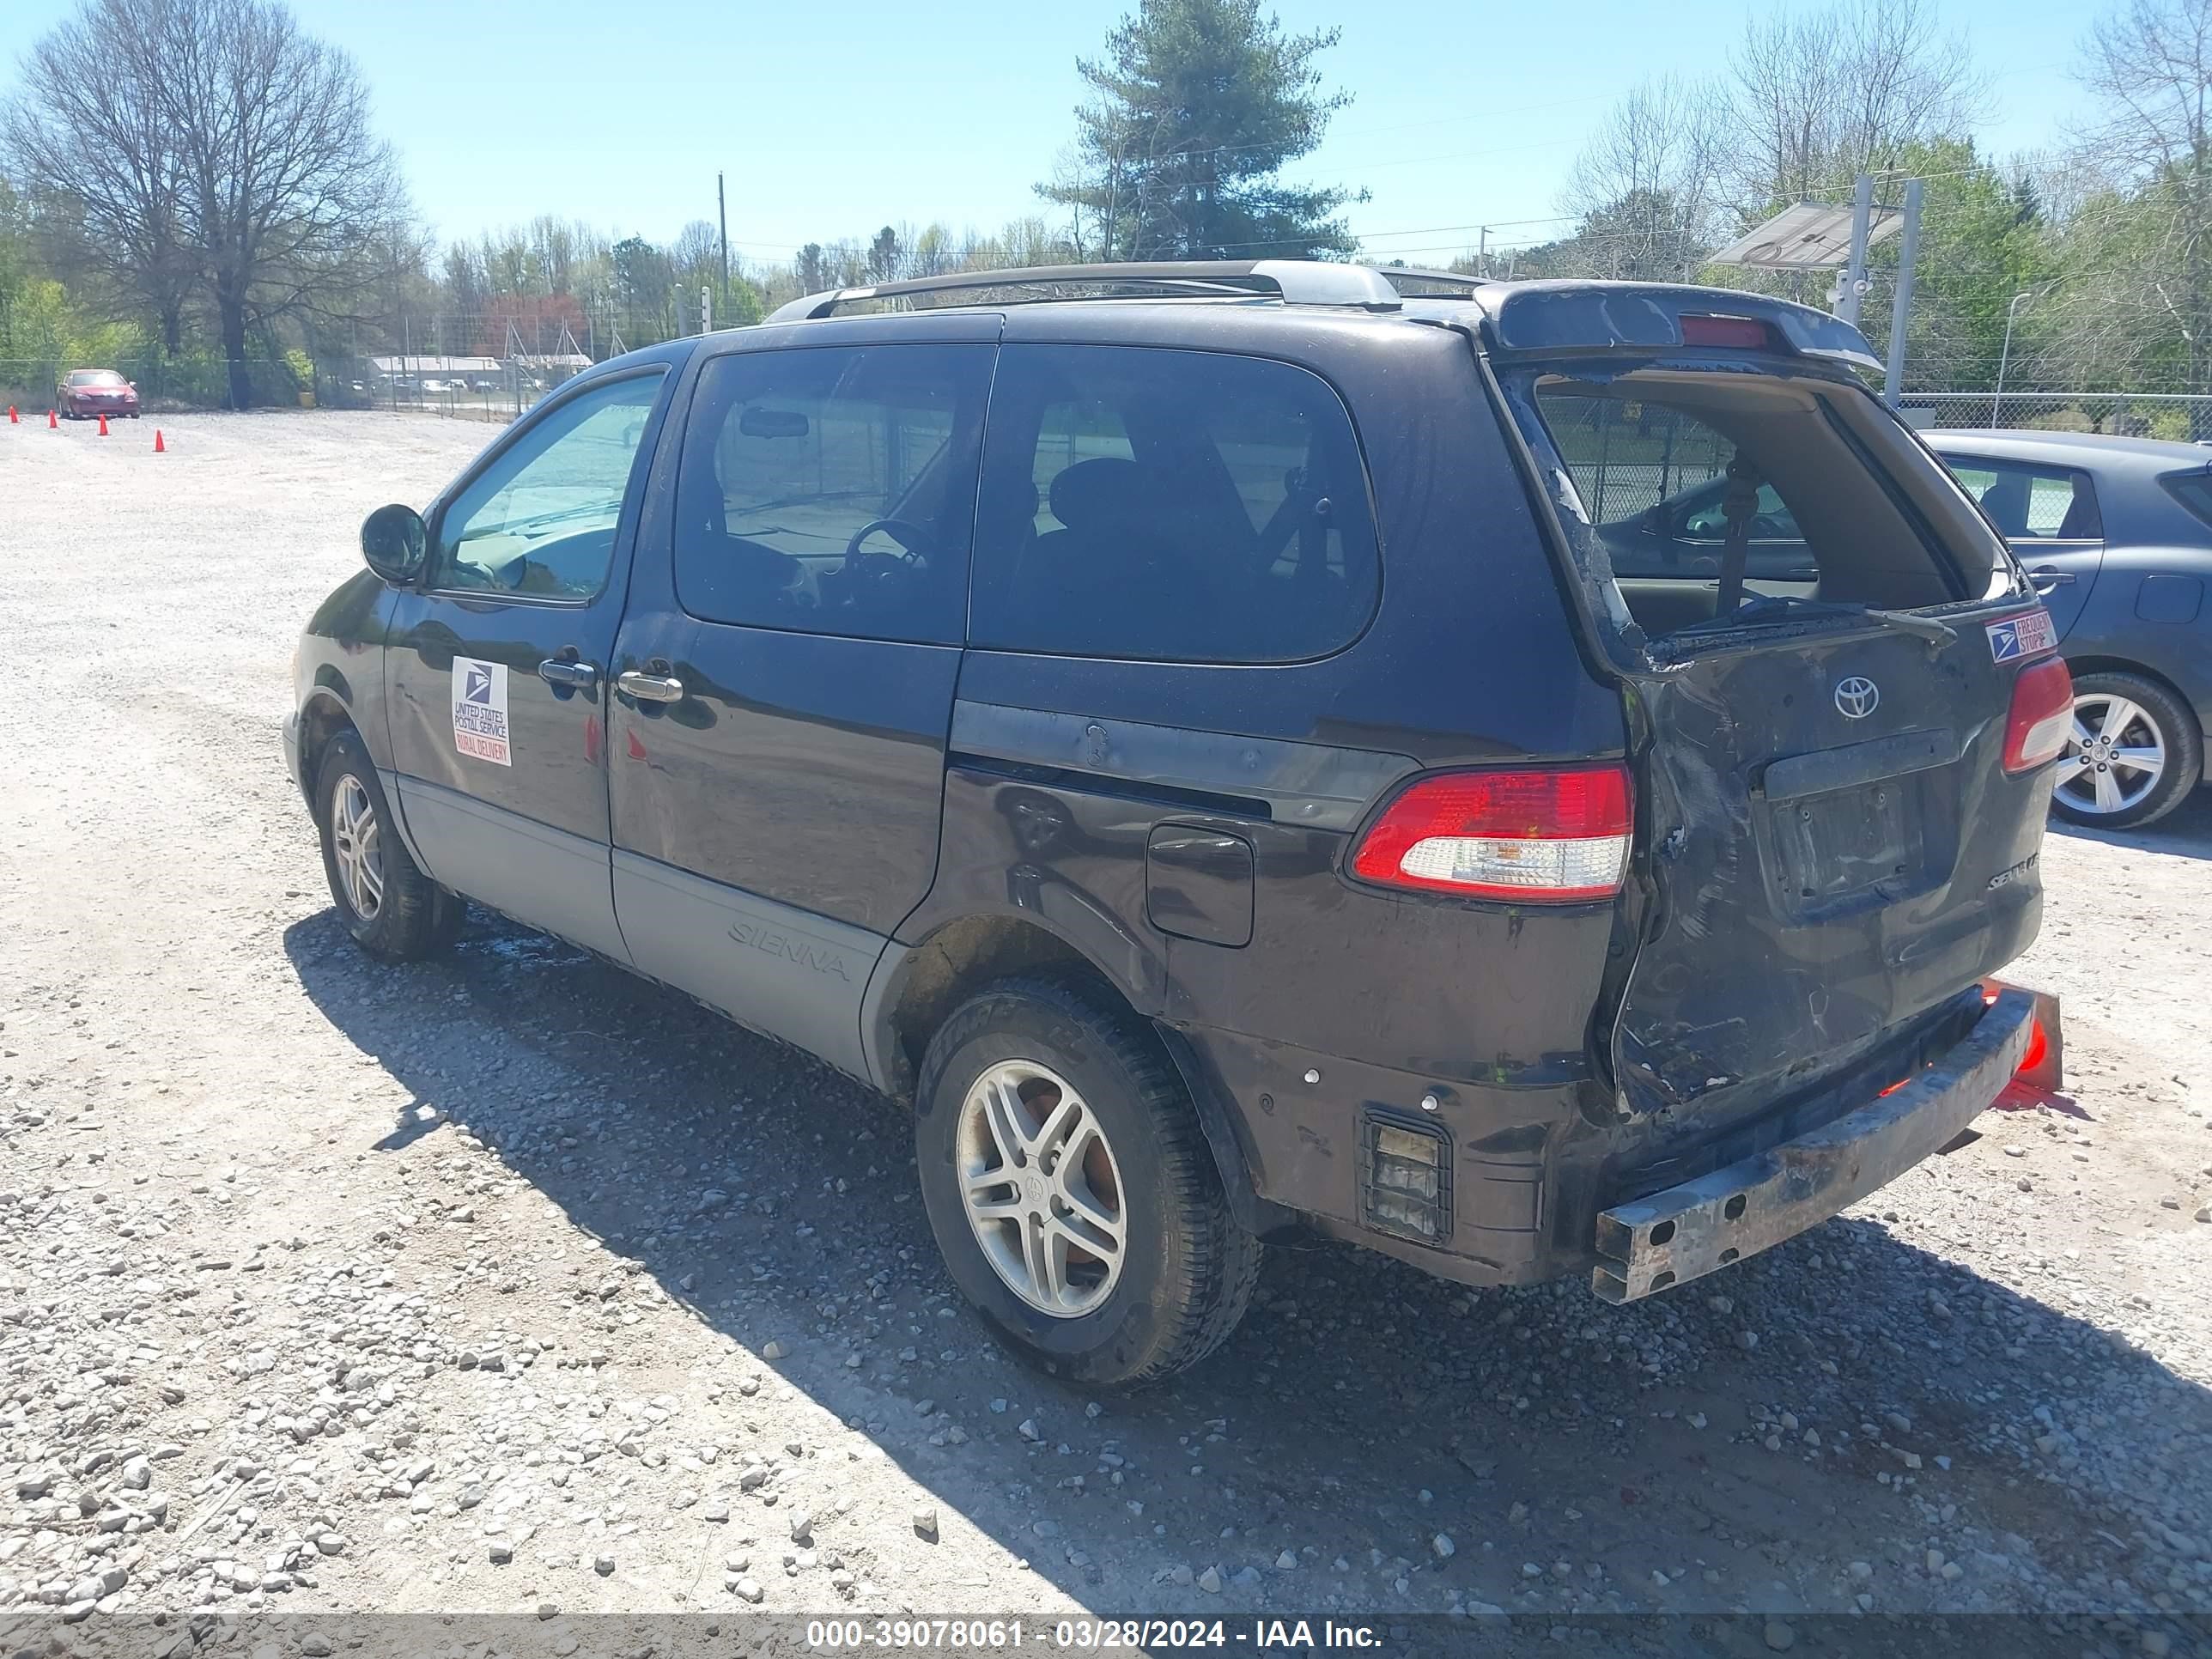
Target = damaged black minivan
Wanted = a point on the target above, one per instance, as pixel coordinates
(1246, 751)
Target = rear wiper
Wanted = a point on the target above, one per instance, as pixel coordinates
(1770, 607)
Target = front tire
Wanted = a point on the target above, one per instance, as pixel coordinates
(2134, 754)
(1070, 1187)
(394, 911)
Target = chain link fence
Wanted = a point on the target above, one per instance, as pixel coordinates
(2173, 417)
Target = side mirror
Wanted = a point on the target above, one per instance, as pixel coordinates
(1655, 520)
(395, 542)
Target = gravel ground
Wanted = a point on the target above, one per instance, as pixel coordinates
(508, 1282)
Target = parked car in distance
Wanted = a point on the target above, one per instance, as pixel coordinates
(1002, 698)
(86, 393)
(483, 383)
(2116, 533)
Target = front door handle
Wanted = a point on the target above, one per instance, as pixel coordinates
(2043, 577)
(564, 674)
(649, 688)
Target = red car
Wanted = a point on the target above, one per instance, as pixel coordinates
(85, 393)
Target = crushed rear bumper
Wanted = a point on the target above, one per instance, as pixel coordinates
(1682, 1233)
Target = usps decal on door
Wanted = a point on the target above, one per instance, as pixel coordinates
(480, 710)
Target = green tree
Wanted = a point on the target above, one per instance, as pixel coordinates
(1198, 105)
(643, 283)
(1983, 242)
(883, 256)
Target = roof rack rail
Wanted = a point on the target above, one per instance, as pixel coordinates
(1398, 275)
(1295, 282)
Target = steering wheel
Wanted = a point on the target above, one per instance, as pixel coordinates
(909, 536)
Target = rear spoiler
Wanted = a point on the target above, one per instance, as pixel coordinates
(1570, 318)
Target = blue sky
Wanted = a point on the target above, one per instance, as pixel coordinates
(830, 119)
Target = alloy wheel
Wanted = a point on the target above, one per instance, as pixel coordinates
(1042, 1188)
(357, 845)
(2114, 756)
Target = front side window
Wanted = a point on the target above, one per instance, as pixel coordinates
(540, 519)
(1170, 506)
(831, 490)
(2032, 503)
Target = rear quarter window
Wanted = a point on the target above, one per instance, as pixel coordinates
(1170, 506)
(2194, 491)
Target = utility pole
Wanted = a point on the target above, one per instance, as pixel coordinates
(1854, 285)
(706, 309)
(1482, 252)
(2004, 359)
(722, 217)
(1900, 308)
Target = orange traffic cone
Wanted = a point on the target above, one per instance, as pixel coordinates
(52, 425)
(103, 426)
(12, 420)
(160, 448)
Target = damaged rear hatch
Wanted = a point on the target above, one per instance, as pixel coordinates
(1842, 696)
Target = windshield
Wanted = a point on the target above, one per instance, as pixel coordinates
(95, 377)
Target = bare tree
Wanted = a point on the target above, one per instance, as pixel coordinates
(289, 197)
(211, 147)
(90, 137)
(2149, 63)
(1649, 178)
(1816, 97)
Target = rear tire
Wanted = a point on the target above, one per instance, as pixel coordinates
(2131, 722)
(1135, 1162)
(394, 911)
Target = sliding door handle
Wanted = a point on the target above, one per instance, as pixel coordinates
(649, 688)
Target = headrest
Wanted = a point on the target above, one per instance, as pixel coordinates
(1096, 492)
(2006, 503)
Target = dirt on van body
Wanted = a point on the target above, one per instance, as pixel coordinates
(511, 1283)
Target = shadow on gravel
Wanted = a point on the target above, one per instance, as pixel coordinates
(2186, 831)
(1570, 1450)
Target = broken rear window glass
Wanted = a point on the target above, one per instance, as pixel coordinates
(1670, 466)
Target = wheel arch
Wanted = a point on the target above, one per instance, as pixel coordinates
(322, 718)
(2105, 663)
(916, 987)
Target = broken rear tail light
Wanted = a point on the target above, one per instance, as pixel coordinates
(1407, 1181)
(2042, 715)
(1557, 836)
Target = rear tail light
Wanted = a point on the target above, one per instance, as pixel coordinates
(1557, 836)
(1735, 333)
(2042, 715)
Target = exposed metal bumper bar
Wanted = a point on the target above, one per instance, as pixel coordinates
(1683, 1233)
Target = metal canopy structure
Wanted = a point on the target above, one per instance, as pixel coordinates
(1806, 237)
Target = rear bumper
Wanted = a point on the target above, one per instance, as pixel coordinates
(1683, 1232)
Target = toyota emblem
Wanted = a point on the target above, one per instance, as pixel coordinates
(1858, 697)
